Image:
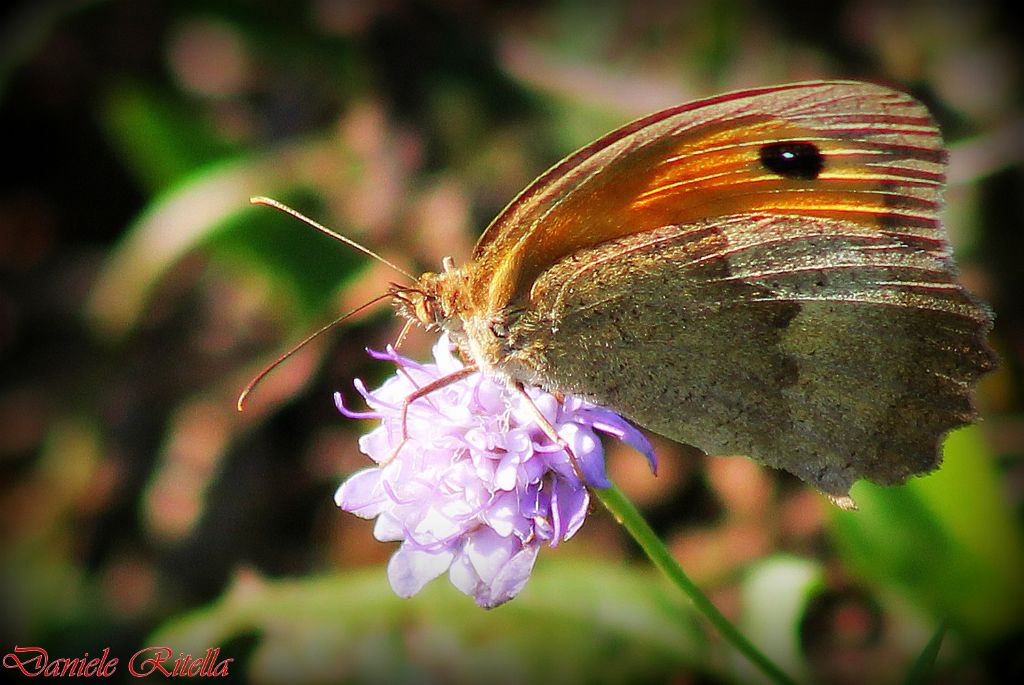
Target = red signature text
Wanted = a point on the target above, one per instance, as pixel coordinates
(150, 661)
(35, 661)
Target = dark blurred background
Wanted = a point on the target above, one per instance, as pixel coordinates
(139, 292)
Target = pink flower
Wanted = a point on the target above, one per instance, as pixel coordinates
(478, 487)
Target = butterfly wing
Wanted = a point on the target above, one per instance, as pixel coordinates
(807, 316)
(884, 167)
(809, 344)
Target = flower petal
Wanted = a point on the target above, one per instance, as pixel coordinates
(510, 580)
(492, 569)
(388, 527)
(409, 570)
(361, 494)
(488, 552)
(611, 423)
(588, 452)
(568, 510)
(502, 514)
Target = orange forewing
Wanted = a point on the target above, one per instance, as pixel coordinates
(884, 169)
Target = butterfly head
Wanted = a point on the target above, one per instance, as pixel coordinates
(443, 302)
(435, 301)
(419, 303)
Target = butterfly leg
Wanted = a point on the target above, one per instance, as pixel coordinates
(453, 377)
(550, 431)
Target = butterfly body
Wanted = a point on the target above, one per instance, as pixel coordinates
(762, 273)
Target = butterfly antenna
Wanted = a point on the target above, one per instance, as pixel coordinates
(270, 202)
(244, 395)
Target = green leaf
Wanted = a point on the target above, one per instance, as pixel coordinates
(924, 665)
(293, 255)
(161, 138)
(210, 208)
(577, 621)
(948, 542)
(776, 592)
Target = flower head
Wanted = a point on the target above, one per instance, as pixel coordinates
(477, 488)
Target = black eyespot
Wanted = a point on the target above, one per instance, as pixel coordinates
(793, 160)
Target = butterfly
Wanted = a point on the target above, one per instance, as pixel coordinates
(762, 273)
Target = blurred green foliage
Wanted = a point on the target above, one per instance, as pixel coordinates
(352, 628)
(139, 291)
(950, 542)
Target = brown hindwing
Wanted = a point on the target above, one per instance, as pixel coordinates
(820, 347)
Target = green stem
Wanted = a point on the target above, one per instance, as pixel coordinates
(626, 514)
